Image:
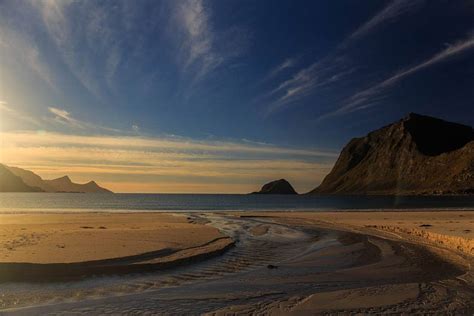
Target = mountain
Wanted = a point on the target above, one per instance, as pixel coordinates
(31, 179)
(9, 182)
(277, 187)
(416, 155)
(63, 184)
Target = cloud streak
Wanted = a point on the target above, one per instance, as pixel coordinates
(17, 115)
(168, 144)
(198, 37)
(286, 64)
(303, 83)
(65, 118)
(23, 48)
(83, 32)
(203, 48)
(335, 66)
(365, 98)
(388, 14)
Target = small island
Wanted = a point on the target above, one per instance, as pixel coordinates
(277, 187)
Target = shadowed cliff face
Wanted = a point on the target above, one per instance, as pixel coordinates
(434, 136)
(416, 155)
(12, 183)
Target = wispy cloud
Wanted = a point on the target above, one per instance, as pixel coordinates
(80, 42)
(59, 116)
(58, 25)
(336, 65)
(365, 98)
(286, 64)
(17, 115)
(167, 144)
(4, 107)
(304, 82)
(198, 46)
(203, 48)
(64, 117)
(22, 47)
(388, 14)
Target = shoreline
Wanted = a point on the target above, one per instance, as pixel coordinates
(197, 211)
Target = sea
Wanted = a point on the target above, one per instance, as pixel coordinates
(77, 202)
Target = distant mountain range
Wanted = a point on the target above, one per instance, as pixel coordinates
(416, 155)
(13, 179)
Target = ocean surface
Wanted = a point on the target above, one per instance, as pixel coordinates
(73, 202)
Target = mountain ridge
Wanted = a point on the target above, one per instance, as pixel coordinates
(62, 184)
(416, 155)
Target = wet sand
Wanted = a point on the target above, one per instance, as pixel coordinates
(451, 229)
(281, 264)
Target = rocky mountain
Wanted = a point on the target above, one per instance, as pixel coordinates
(277, 187)
(12, 183)
(63, 184)
(416, 155)
(31, 179)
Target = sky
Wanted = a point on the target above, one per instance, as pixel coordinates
(212, 96)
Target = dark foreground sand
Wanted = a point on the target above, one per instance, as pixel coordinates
(238, 263)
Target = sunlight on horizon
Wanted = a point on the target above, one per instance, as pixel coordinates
(138, 164)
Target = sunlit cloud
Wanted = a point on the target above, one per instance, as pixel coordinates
(170, 143)
(64, 117)
(4, 107)
(94, 33)
(22, 48)
(118, 160)
(9, 111)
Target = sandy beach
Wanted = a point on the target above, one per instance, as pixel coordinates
(61, 246)
(67, 238)
(278, 263)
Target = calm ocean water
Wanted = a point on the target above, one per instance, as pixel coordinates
(14, 202)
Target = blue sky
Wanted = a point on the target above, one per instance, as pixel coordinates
(288, 83)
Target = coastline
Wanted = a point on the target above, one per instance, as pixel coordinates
(356, 258)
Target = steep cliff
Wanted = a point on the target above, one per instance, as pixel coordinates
(416, 155)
